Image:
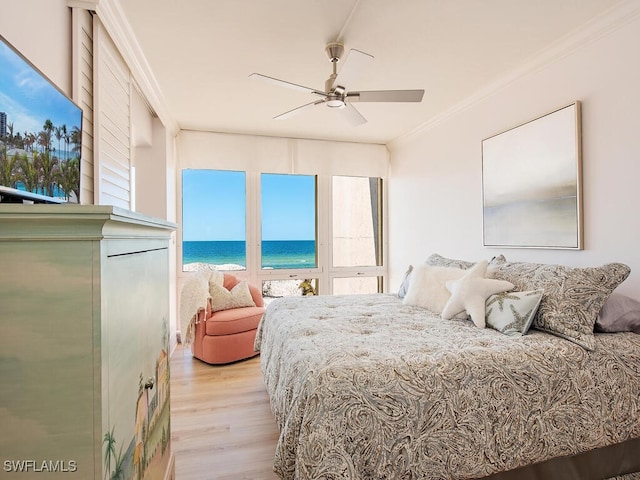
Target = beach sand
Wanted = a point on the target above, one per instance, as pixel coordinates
(199, 266)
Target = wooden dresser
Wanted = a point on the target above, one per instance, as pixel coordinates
(84, 343)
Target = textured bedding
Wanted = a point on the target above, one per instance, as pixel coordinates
(364, 387)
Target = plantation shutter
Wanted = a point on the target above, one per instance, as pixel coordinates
(83, 95)
(112, 89)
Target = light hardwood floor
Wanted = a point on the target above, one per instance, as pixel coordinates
(222, 426)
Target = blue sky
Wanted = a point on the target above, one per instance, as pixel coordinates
(213, 206)
(29, 99)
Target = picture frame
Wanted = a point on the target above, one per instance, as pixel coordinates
(532, 183)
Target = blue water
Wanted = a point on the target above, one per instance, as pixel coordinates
(275, 253)
(57, 191)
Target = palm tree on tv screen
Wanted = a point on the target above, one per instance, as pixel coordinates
(33, 164)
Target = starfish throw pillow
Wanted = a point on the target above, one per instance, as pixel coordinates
(471, 292)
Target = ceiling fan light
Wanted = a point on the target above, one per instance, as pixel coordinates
(335, 103)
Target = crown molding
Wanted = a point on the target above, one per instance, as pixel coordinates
(84, 4)
(604, 24)
(115, 22)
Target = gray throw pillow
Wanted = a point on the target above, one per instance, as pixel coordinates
(619, 314)
(436, 260)
(572, 296)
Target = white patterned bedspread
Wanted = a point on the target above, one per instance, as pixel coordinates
(364, 387)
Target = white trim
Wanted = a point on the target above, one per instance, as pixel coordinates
(97, 121)
(89, 5)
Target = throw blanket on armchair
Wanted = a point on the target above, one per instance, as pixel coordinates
(193, 298)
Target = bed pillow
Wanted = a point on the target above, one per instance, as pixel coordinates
(572, 296)
(512, 313)
(428, 289)
(404, 286)
(223, 299)
(437, 260)
(619, 314)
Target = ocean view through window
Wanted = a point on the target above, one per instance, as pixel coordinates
(288, 219)
(271, 229)
(214, 219)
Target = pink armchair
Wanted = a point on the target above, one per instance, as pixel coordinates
(228, 335)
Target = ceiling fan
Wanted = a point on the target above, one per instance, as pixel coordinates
(335, 93)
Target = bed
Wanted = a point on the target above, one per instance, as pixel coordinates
(370, 387)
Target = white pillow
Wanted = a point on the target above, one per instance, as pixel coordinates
(223, 299)
(427, 287)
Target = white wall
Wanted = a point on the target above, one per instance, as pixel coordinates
(435, 190)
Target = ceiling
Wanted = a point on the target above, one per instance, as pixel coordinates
(201, 53)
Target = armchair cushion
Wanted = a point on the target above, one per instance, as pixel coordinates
(236, 320)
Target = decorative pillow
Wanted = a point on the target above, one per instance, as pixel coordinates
(512, 313)
(470, 293)
(436, 260)
(427, 288)
(223, 299)
(572, 296)
(404, 286)
(439, 261)
(619, 314)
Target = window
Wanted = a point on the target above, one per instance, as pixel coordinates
(214, 219)
(293, 234)
(356, 238)
(288, 219)
(356, 221)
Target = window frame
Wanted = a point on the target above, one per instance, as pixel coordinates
(325, 272)
(379, 271)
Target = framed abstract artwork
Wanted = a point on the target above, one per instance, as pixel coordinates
(531, 183)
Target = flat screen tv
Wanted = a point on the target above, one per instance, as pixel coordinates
(40, 135)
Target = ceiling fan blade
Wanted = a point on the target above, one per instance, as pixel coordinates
(282, 83)
(353, 116)
(297, 110)
(354, 66)
(386, 96)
